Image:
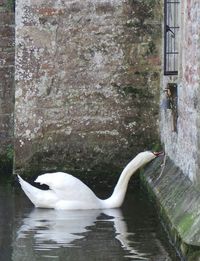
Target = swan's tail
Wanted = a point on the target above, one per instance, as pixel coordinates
(30, 191)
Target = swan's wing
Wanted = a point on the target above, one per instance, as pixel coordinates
(40, 198)
(67, 187)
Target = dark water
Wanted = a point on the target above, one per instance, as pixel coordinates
(130, 233)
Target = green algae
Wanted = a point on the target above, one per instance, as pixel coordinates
(186, 223)
(177, 201)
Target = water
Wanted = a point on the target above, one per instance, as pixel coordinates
(130, 233)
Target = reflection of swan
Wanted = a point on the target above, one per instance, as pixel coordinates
(57, 228)
(61, 227)
(122, 233)
(67, 192)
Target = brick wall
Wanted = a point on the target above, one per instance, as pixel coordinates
(87, 83)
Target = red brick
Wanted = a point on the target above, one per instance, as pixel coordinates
(47, 11)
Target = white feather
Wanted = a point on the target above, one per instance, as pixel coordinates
(68, 192)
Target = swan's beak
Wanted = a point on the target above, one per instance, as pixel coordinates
(160, 153)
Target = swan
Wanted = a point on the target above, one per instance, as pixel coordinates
(68, 192)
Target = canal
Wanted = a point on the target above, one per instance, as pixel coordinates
(130, 233)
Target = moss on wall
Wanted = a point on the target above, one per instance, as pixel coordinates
(10, 5)
(6, 163)
(177, 201)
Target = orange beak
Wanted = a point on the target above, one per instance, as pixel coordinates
(160, 153)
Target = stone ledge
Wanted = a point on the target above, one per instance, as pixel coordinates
(178, 202)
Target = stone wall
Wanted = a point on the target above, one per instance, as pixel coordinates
(87, 83)
(183, 146)
(177, 202)
(7, 54)
(169, 179)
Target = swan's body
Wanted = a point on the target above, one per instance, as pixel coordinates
(68, 192)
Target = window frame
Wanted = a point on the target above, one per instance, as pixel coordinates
(170, 30)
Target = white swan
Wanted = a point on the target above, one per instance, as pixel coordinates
(68, 192)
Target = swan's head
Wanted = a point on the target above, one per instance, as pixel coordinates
(147, 156)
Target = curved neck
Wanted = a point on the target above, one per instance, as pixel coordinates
(119, 192)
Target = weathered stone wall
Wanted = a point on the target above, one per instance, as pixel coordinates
(183, 146)
(178, 203)
(87, 83)
(7, 54)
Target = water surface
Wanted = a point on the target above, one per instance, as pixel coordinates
(130, 233)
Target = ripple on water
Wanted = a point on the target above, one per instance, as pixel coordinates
(130, 233)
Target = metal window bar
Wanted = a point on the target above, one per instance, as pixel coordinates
(171, 29)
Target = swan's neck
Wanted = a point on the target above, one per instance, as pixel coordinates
(119, 192)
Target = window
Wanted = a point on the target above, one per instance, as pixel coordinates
(171, 29)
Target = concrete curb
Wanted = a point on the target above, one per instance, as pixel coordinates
(178, 202)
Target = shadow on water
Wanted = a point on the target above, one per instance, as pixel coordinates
(130, 233)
